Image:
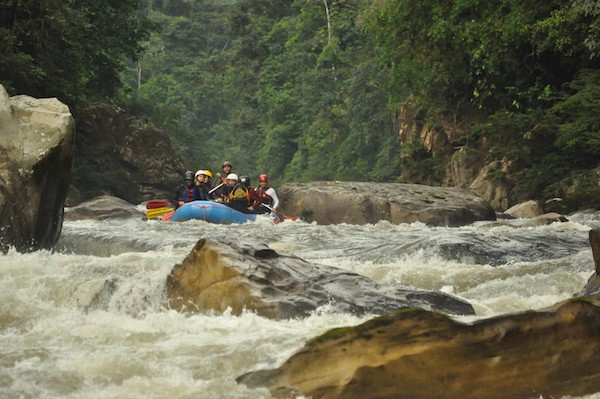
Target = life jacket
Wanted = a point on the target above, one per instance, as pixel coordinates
(186, 194)
(202, 193)
(234, 195)
(239, 197)
(263, 197)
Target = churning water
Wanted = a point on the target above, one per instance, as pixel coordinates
(89, 321)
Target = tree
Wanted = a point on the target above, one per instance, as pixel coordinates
(73, 50)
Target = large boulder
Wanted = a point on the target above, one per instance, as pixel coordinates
(217, 276)
(36, 159)
(332, 202)
(418, 354)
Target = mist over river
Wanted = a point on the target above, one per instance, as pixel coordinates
(89, 320)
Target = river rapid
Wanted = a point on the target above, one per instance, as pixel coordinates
(89, 320)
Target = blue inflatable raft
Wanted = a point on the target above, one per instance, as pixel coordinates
(212, 212)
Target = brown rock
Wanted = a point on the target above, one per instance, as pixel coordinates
(361, 203)
(541, 220)
(490, 185)
(528, 209)
(417, 354)
(217, 276)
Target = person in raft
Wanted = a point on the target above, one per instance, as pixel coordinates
(186, 192)
(238, 197)
(265, 194)
(200, 180)
(223, 191)
(226, 171)
(209, 185)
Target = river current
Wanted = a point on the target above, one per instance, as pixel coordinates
(89, 320)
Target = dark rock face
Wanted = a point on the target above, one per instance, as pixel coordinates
(36, 159)
(593, 284)
(362, 203)
(216, 276)
(122, 156)
(417, 354)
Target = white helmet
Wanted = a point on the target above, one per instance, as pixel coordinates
(232, 176)
(199, 172)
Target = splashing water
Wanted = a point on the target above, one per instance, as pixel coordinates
(89, 320)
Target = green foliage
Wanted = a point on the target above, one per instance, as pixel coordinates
(467, 55)
(71, 50)
(577, 120)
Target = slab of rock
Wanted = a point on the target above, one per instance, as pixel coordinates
(102, 208)
(217, 276)
(417, 354)
(362, 203)
(36, 161)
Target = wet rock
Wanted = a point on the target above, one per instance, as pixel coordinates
(593, 284)
(541, 220)
(102, 208)
(217, 276)
(362, 203)
(417, 354)
(36, 159)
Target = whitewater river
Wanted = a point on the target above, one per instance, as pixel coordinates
(63, 336)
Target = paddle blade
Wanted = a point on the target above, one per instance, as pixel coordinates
(153, 204)
(168, 216)
(157, 212)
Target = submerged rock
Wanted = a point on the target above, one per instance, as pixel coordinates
(362, 203)
(418, 354)
(217, 276)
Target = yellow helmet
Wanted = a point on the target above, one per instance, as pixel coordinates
(207, 173)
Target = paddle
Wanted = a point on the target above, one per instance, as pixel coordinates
(153, 204)
(168, 216)
(214, 188)
(156, 212)
(279, 214)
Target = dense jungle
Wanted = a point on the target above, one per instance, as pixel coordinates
(433, 92)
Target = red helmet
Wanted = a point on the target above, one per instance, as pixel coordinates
(263, 178)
